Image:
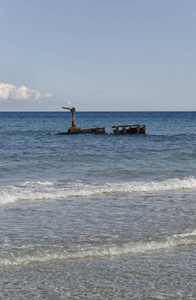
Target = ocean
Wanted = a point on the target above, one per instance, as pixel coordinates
(97, 216)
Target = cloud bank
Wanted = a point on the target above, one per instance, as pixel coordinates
(12, 93)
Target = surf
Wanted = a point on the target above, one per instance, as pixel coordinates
(89, 250)
(57, 190)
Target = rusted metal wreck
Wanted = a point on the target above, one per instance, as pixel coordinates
(129, 129)
(118, 130)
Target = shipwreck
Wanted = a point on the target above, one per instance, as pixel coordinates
(117, 130)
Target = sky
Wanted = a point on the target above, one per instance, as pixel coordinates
(98, 55)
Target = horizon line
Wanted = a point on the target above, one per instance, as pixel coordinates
(86, 111)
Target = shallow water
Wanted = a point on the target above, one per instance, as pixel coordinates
(97, 217)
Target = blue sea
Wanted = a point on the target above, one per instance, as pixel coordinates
(97, 216)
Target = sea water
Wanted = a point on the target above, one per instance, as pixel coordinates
(97, 216)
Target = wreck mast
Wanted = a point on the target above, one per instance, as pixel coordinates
(73, 109)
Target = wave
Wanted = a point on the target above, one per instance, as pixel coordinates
(55, 190)
(101, 251)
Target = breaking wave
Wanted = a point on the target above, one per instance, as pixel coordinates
(54, 190)
(100, 251)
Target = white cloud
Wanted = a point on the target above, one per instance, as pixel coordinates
(12, 93)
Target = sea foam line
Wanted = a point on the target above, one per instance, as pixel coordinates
(90, 251)
(54, 190)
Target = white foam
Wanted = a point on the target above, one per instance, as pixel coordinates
(53, 190)
(91, 251)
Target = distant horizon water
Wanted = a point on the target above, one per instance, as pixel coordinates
(60, 110)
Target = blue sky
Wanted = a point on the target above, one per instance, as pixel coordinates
(98, 55)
